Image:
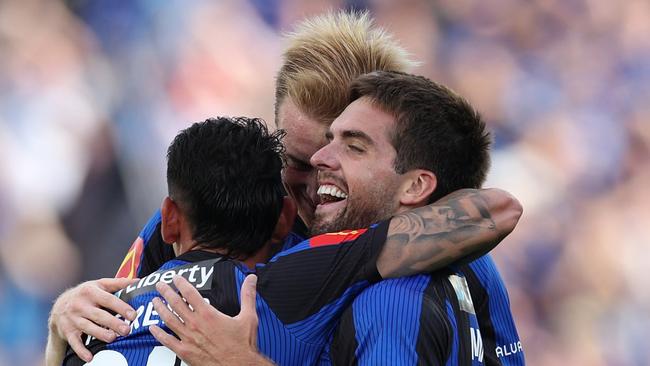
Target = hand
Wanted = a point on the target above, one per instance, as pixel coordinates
(207, 336)
(85, 309)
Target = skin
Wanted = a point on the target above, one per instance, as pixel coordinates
(304, 137)
(79, 310)
(359, 160)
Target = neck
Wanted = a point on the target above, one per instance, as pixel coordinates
(261, 256)
(403, 208)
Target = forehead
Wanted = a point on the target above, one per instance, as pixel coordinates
(364, 116)
(305, 135)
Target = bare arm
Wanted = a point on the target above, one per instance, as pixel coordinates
(462, 225)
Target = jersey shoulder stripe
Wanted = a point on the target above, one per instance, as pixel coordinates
(335, 238)
(331, 239)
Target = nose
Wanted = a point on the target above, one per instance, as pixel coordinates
(324, 159)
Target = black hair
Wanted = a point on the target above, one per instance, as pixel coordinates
(224, 174)
(436, 129)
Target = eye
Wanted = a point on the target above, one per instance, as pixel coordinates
(298, 165)
(356, 148)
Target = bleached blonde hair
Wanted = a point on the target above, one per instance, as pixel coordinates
(326, 53)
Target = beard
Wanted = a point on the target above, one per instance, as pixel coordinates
(357, 214)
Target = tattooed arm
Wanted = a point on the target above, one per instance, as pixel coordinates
(464, 224)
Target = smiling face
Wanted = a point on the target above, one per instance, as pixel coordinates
(304, 137)
(358, 184)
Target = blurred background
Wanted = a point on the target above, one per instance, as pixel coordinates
(92, 92)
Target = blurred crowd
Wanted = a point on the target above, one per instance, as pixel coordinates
(91, 93)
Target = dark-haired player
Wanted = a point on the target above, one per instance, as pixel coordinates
(226, 200)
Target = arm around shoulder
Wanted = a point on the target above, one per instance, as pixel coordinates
(463, 225)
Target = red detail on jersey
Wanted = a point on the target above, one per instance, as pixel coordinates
(131, 263)
(335, 238)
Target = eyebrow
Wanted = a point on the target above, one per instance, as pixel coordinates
(351, 134)
(356, 134)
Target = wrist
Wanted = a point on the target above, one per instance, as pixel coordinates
(52, 323)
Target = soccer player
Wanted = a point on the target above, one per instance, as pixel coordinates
(418, 128)
(323, 56)
(226, 201)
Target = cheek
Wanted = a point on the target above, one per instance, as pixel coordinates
(376, 181)
(294, 179)
(377, 173)
(363, 181)
(300, 183)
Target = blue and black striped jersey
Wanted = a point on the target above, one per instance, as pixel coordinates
(500, 341)
(301, 293)
(498, 331)
(430, 320)
(417, 320)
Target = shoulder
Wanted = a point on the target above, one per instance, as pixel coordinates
(483, 277)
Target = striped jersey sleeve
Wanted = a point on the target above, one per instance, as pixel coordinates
(303, 291)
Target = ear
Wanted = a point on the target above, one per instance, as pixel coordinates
(170, 227)
(417, 187)
(285, 222)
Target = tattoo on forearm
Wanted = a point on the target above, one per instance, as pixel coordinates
(432, 236)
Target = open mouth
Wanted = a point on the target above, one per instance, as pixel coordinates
(329, 193)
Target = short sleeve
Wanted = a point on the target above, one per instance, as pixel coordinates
(329, 268)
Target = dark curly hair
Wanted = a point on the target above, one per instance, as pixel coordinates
(224, 174)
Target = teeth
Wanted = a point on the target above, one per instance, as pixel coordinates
(332, 191)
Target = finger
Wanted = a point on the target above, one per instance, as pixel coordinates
(165, 338)
(170, 319)
(190, 293)
(248, 313)
(174, 300)
(107, 320)
(114, 304)
(84, 325)
(248, 294)
(115, 284)
(79, 348)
